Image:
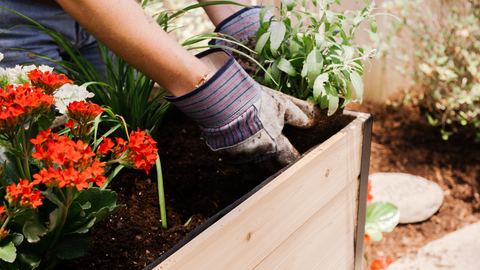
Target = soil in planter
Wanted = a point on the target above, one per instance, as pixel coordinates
(402, 141)
(198, 184)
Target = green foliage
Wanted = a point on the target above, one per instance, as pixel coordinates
(381, 217)
(442, 59)
(316, 58)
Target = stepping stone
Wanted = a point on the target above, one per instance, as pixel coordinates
(458, 250)
(415, 197)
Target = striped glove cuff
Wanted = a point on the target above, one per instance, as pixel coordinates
(241, 25)
(223, 105)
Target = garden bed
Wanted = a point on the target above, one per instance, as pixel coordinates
(402, 142)
(213, 192)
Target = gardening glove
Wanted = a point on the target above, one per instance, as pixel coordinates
(241, 120)
(241, 25)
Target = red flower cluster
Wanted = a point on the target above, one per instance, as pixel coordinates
(381, 264)
(24, 195)
(16, 103)
(78, 165)
(369, 196)
(48, 81)
(83, 112)
(140, 152)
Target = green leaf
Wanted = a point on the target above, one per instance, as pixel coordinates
(286, 67)
(373, 25)
(318, 86)
(55, 217)
(44, 122)
(289, 3)
(28, 261)
(262, 41)
(312, 100)
(103, 202)
(324, 99)
(381, 217)
(52, 197)
(16, 238)
(320, 41)
(264, 11)
(329, 15)
(348, 51)
(74, 245)
(357, 20)
(86, 226)
(333, 100)
(314, 64)
(358, 84)
(374, 37)
(8, 252)
(12, 173)
(278, 34)
(33, 229)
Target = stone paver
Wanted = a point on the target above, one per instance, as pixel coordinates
(459, 250)
(416, 197)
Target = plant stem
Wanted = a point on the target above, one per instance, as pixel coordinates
(161, 194)
(5, 223)
(112, 175)
(14, 143)
(25, 155)
(58, 230)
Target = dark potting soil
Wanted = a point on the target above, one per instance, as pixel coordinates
(197, 185)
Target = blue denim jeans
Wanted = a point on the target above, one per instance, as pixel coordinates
(32, 39)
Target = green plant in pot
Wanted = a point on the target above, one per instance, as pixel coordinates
(315, 59)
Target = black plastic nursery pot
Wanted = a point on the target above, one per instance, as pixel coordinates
(309, 215)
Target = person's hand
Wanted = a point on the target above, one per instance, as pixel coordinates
(240, 119)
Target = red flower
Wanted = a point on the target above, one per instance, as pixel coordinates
(105, 146)
(48, 81)
(3, 233)
(143, 150)
(381, 263)
(369, 196)
(83, 112)
(17, 103)
(78, 165)
(367, 238)
(23, 194)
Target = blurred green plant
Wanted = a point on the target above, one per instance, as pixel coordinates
(317, 55)
(442, 61)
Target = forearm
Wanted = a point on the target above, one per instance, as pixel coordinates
(134, 36)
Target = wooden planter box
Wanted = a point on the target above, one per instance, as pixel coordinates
(310, 215)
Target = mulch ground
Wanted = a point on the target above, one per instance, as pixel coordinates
(403, 141)
(198, 184)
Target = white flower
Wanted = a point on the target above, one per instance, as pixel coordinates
(44, 68)
(369, 54)
(14, 73)
(69, 93)
(1, 56)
